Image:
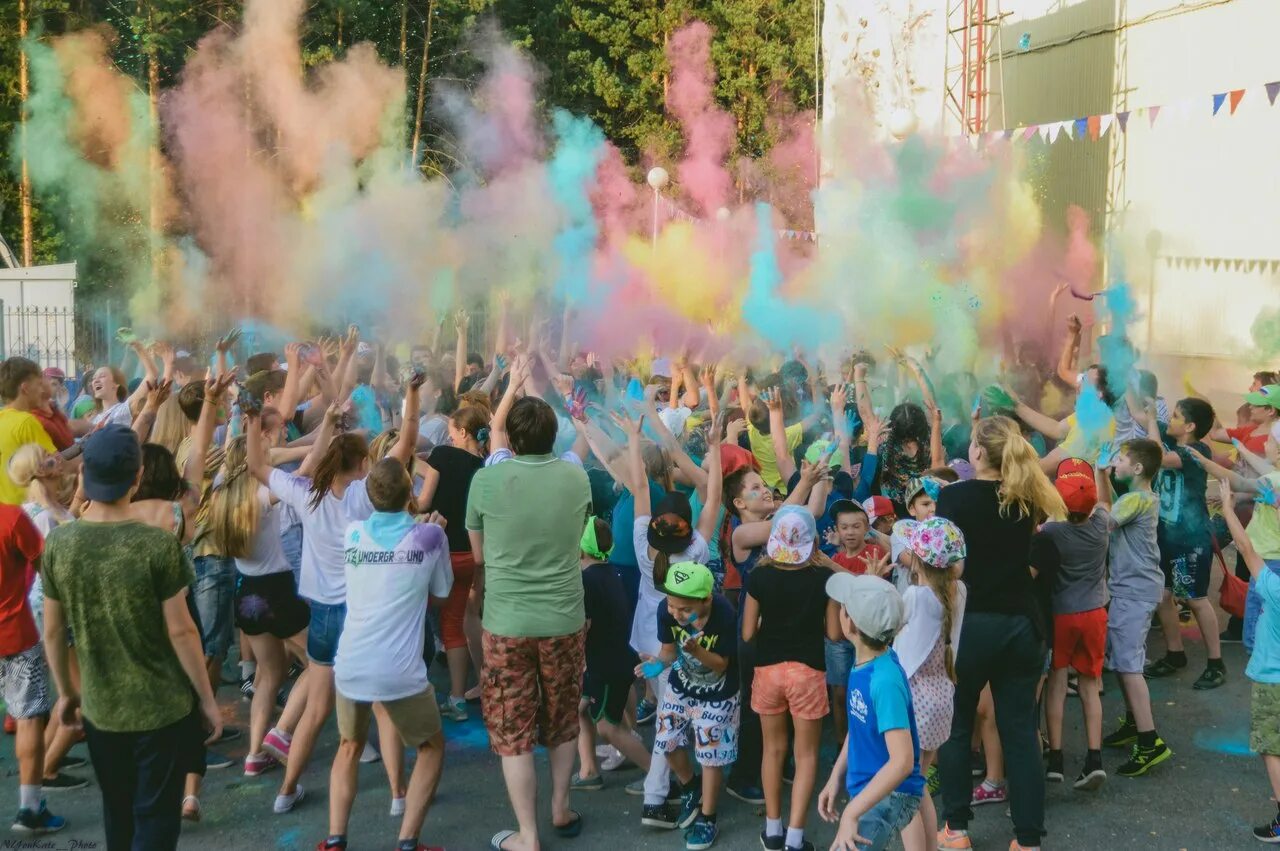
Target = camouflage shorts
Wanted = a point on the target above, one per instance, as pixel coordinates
(1264, 718)
(531, 691)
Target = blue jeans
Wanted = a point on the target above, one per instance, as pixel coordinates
(886, 820)
(324, 632)
(214, 593)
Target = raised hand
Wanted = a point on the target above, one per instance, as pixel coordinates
(227, 341)
(631, 427)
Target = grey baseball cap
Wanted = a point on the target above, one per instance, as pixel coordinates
(874, 605)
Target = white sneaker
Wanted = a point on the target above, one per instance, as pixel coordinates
(286, 803)
(397, 807)
(613, 761)
(370, 754)
(604, 751)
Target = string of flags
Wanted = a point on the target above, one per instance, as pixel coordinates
(1234, 264)
(1094, 127)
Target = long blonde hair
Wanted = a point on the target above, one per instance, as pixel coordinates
(171, 426)
(233, 512)
(1022, 483)
(943, 584)
(24, 470)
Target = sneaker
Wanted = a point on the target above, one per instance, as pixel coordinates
(1090, 781)
(933, 779)
(246, 688)
(1232, 635)
(1184, 614)
(1053, 767)
(977, 764)
(753, 795)
(337, 845)
(1162, 668)
(948, 838)
(986, 793)
(70, 761)
(370, 754)
(1126, 735)
(803, 846)
(397, 807)
(286, 803)
(229, 734)
(586, 784)
(701, 834)
(1211, 678)
(63, 783)
(277, 744)
(215, 760)
(38, 823)
(1142, 760)
(663, 816)
(455, 709)
(773, 843)
(1014, 846)
(691, 804)
(635, 787)
(646, 712)
(1268, 832)
(613, 761)
(256, 764)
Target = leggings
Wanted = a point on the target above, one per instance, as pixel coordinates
(454, 610)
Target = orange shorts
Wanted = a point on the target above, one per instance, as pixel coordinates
(1080, 641)
(790, 687)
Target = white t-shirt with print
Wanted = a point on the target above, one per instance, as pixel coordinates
(266, 550)
(323, 529)
(117, 414)
(644, 627)
(380, 652)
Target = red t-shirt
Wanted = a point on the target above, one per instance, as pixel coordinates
(857, 565)
(20, 546)
(1255, 443)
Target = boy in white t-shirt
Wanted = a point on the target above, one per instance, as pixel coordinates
(393, 564)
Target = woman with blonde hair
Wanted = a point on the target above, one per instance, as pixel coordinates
(1002, 639)
(245, 522)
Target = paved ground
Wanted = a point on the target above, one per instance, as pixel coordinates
(1207, 797)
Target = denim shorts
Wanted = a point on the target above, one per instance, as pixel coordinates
(214, 594)
(886, 820)
(839, 656)
(324, 632)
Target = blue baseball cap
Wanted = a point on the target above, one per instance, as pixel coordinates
(111, 461)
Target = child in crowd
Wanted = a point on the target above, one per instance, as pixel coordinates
(857, 556)
(606, 687)
(926, 648)
(1079, 598)
(1264, 664)
(1186, 541)
(880, 513)
(1136, 585)
(699, 643)
(786, 614)
(879, 762)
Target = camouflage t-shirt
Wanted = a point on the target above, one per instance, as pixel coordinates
(112, 580)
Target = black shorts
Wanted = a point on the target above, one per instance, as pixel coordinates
(607, 696)
(1187, 570)
(270, 604)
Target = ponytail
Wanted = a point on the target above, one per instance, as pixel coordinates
(661, 564)
(343, 456)
(1022, 483)
(942, 582)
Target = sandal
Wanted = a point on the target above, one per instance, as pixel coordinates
(495, 844)
(572, 829)
(192, 813)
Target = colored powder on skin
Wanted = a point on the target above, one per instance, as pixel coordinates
(579, 148)
(1093, 416)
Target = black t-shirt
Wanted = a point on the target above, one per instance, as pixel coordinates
(691, 678)
(999, 549)
(793, 611)
(456, 467)
(1046, 558)
(609, 653)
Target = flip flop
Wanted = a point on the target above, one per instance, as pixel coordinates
(495, 844)
(572, 829)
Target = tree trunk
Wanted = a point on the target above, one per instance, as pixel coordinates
(339, 27)
(153, 172)
(422, 82)
(24, 187)
(404, 29)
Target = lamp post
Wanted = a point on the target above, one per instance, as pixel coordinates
(657, 180)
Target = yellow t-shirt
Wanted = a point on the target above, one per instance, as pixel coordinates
(17, 429)
(1264, 528)
(762, 448)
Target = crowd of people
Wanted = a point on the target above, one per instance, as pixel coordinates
(749, 558)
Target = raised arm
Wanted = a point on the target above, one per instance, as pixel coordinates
(498, 423)
(146, 420)
(861, 394)
(151, 376)
(346, 371)
(840, 425)
(323, 437)
(167, 355)
(1070, 351)
(1042, 423)
(1241, 538)
(715, 484)
(215, 390)
(1238, 482)
(292, 390)
(696, 475)
(221, 349)
(638, 481)
(1257, 463)
(407, 442)
(461, 320)
(778, 434)
(690, 399)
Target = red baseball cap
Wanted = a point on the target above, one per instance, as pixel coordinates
(878, 506)
(1076, 485)
(734, 458)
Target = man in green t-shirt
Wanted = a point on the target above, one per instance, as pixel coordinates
(525, 514)
(121, 587)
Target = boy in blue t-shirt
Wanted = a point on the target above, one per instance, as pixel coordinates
(880, 760)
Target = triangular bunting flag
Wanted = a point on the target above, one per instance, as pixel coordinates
(1273, 89)
(1081, 127)
(1152, 112)
(1008, 133)
(1094, 124)
(1236, 96)
(1237, 264)
(1105, 124)
(1043, 131)
(1054, 130)
(1275, 266)
(1123, 119)
(1214, 263)
(1218, 101)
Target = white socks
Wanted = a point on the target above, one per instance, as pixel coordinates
(795, 837)
(29, 798)
(773, 827)
(247, 670)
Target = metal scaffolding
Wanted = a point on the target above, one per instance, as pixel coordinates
(973, 37)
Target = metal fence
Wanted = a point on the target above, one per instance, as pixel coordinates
(54, 336)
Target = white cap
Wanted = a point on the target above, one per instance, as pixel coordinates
(874, 605)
